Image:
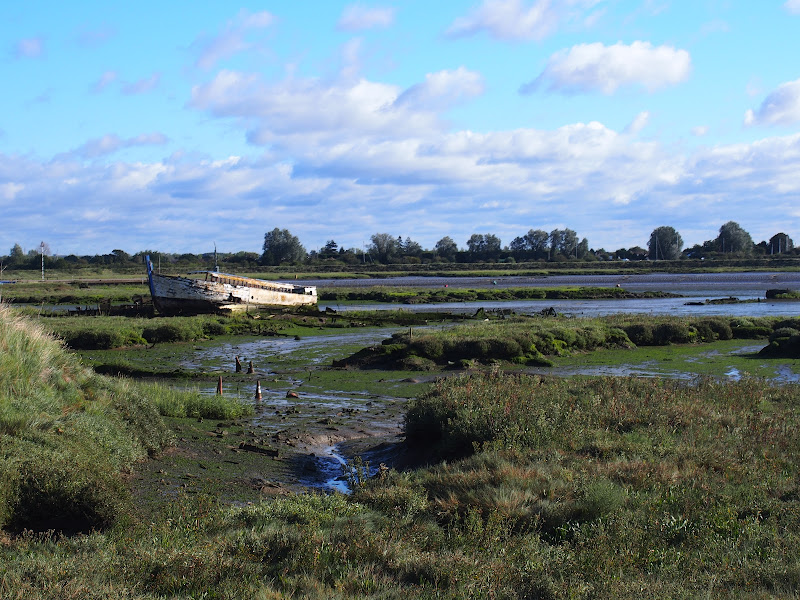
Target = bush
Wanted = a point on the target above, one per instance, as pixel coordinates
(640, 334)
(672, 333)
(751, 333)
(174, 330)
(783, 332)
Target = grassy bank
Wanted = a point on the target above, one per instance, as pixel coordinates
(535, 340)
(68, 435)
(607, 488)
(410, 295)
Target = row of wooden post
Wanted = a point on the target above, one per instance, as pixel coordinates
(250, 369)
(258, 388)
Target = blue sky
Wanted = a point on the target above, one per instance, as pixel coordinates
(178, 125)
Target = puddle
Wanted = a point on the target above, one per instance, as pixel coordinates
(785, 374)
(733, 374)
(314, 350)
(641, 370)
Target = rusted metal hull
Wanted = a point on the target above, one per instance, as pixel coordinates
(222, 292)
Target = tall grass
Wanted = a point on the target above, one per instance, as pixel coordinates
(174, 402)
(617, 488)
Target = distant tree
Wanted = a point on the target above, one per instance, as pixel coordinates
(446, 248)
(780, 243)
(280, 246)
(383, 247)
(16, 252)
(120, 256)
(329, 250)
(484, 246)
(555, 238)
(410, 248)
(519, 245)
(665, 244)
(732, 238)
(564, 242)
(537, 241)
(582, 250)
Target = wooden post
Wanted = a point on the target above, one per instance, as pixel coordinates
(219, 386)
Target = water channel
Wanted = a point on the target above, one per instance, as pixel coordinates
(317, 351)
(695, 289)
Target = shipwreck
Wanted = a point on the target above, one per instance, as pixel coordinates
(212, 291)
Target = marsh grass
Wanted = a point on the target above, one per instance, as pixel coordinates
(176, 402)
(536, 340)
(629, 489)
(69, 434)
(537, 487)
(419, 295)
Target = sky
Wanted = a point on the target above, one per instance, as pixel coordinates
(184, 125)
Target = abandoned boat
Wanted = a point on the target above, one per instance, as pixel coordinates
(212, 291)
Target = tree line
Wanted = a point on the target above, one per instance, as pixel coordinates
(281, 247)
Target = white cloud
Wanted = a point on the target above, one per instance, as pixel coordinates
(595, 67)
(519, 20)
(584, 176)
(9, 191)
(700, 130)
(357, 17)
(29, 48)
(442, 89)
(639, 122)
(104, 81)
(780, 107)
(793, 6)
(142, 86)
(304, 108)
(507, 20)
(111, 143)
(232, 39)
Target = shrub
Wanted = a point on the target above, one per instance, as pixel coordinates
(783, 332)
(428, 346)
(176, 329)
(640, 334)
(672, 333)
(751, 333)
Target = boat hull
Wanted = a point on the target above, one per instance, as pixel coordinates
(221, 292)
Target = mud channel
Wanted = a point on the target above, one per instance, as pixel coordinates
(307, 428)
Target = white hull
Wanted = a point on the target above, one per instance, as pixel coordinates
(221, 292)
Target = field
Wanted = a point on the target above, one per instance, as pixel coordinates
(500, 481)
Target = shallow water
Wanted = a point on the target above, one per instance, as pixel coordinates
(693, 287)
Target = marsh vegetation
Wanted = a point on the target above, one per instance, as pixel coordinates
(522, 486)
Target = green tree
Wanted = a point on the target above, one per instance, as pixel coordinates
(383, 247)
(537, 240)
(410, 248)
(280, 246)
(732, 238)
(484, 246)
(446, 248)
(665, 244)
(329, 250)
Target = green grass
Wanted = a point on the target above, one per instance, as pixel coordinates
(535, 487)
(603, 488)
(536, 341)
(69, 434)
(411, 295)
